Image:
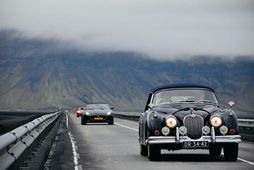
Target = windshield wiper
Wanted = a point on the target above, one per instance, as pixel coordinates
(184, 101)
(164, 103)
(205, 101)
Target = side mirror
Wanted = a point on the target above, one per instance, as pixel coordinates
(231, 103)
(150, 106)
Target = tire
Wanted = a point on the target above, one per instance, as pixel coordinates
(231, 151)
(154, 152)
(111, 122)
(83, 121)
(143, 150)
(215, 150)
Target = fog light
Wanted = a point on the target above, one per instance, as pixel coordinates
(206, 130)
(223, 130)
(157, 132)
(232, 131)
(165, 130)
(183, 130)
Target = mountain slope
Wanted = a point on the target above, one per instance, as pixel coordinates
(39, 74)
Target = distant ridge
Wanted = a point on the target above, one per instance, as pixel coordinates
(45, 74)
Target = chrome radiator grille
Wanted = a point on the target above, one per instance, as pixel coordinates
(194, 124)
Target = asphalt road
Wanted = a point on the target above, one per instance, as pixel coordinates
(116, 147)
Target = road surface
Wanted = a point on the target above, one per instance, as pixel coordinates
(116, 147)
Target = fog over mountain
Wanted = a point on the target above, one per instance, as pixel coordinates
(160, 29)
(42, 74)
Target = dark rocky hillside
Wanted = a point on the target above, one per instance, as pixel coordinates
(42, 74)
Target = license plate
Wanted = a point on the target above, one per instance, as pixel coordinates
(196, 144)
(98, 118)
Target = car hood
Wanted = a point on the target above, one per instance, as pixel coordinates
(98, 112)
(181, 111)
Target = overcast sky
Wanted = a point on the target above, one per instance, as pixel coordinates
(158, 28)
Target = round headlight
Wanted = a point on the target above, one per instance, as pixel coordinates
(165, 130)
(109, 113)
(171, 122)
(216, 121)
(87, 113)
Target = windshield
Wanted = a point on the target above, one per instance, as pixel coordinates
(170, 96)
(97, 107)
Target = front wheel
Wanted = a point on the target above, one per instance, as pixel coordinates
(231, 151)
(83, 121)
(154, 152)
(111, 122)
(143, 150)
(215, 150)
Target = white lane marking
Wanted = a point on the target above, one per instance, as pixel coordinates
(127, 127)
(74, 147)
(243, 160)
(67, 120)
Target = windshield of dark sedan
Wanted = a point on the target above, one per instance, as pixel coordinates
(97, 107)
(194, 95)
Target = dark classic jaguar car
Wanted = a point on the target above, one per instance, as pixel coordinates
(97, 112)
(187, 117)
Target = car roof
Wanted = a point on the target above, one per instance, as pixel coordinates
(81, 107)
(181, 86)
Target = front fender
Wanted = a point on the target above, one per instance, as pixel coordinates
(155, 121)
(230, 120)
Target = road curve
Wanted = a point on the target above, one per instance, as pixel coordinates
(108, 147)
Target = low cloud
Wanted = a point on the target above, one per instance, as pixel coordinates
(160, 29)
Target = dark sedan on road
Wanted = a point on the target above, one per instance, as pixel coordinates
(187, 117)
(97, 112)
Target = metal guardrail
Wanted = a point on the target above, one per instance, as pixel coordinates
(15, 142)
(127, 115)
(246, 123)
(246, 127)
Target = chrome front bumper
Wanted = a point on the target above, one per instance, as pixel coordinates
(180, 139)
(171, 140)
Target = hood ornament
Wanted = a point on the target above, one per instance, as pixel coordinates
(192, 112)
